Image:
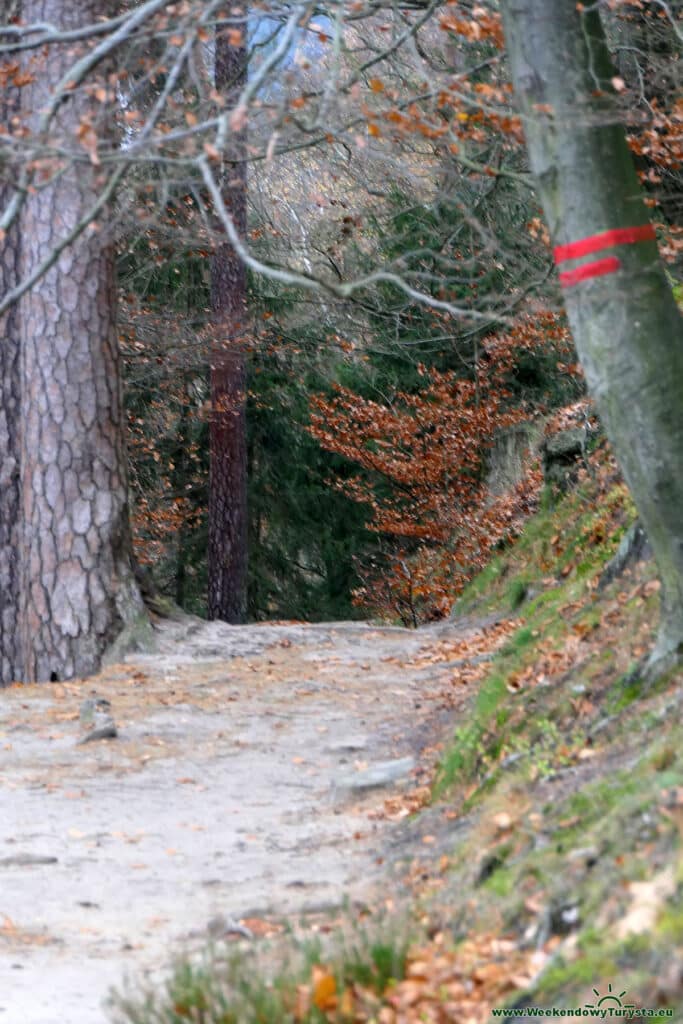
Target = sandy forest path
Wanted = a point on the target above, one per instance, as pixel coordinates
(242, 785)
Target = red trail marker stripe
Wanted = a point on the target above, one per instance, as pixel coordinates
(594, 243)
(595, 269)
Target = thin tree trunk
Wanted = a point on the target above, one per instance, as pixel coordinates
(78, 587)
(626, 325)
(227, 589)
(179, 476)
(10, 399)
(649, 59)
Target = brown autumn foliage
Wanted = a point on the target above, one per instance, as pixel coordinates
(423, 463)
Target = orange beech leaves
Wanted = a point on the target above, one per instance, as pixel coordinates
(423, 461)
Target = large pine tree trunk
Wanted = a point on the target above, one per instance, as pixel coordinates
(78, 587)
(10, 659)
(227, 589)
(627, 328)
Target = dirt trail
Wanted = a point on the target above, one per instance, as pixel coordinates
(238, 787)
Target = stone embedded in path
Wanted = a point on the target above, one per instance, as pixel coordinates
(105, 729)
(96, 719)
(25, 860)
(384, 773)
(347, 745)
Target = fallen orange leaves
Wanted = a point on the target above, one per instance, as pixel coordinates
(260, 927)
(324, 989)
(403, 804)
(483, 641)
(441, 985)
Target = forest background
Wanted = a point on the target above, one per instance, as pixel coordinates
(329, 248)
(372, 421)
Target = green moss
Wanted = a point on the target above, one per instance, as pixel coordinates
(507, 580)
(635, 962)
(467, 743)
(586, 970)
(376, 965)
(484, 585)
(501, 883)
(517, 593)
(137, 636)
(670, 924)
(548, 601)
(663, 758)
(519, 640)
(595, 801)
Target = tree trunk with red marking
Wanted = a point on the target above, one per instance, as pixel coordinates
(626, 325)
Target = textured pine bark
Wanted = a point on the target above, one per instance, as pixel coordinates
(227, 587)
(78, 590)
(626, 325)
(10, 660)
